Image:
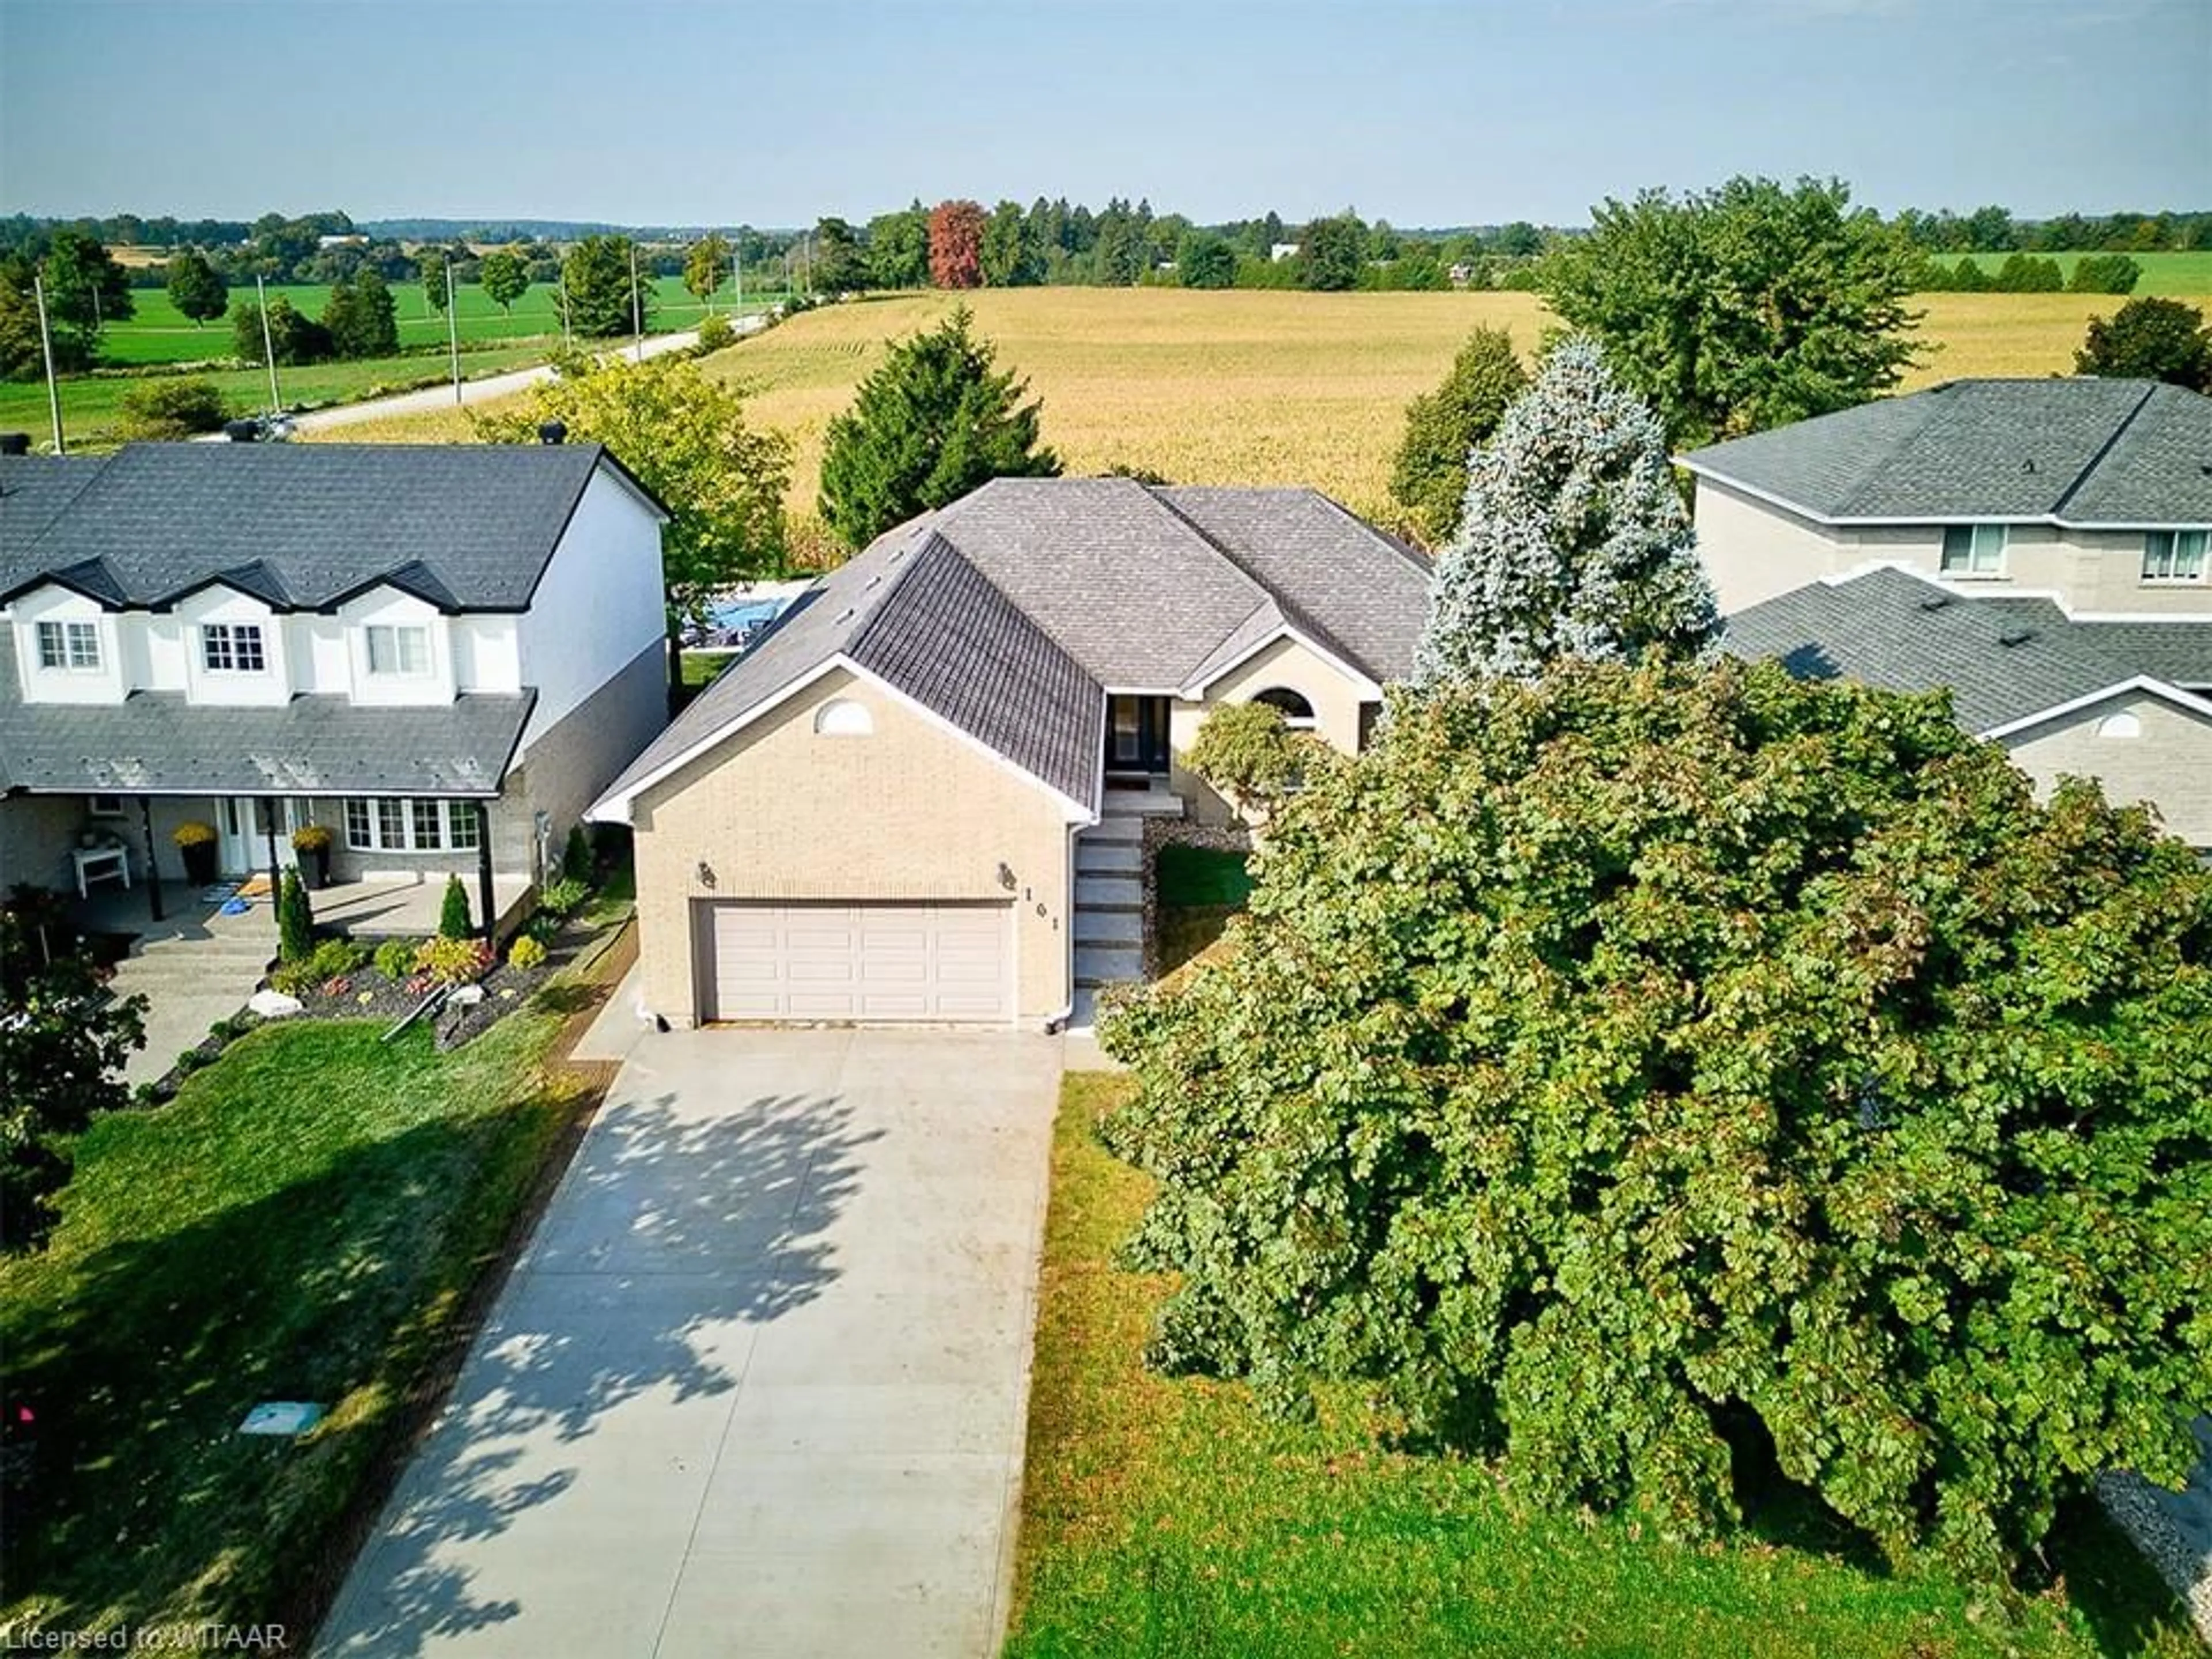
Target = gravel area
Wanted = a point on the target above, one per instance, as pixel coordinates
(2172, 1530)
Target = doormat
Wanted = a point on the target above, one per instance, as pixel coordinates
(254, 887)
(219, 892)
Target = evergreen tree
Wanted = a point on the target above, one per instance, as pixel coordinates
(598, 277)
(195, 288)
(295, 920)
(453, 911)
(1443, 426)
(928, 427)
(1204, 260)
(1573, 541)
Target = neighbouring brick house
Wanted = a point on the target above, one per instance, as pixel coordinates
(439, 653)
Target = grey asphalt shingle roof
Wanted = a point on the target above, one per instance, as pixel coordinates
(2076, 450)
(1013, 610)
(2004, 659)
(155, 743)
(468, 526)
(34, 489)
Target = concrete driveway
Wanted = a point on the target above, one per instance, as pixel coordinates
(759, 1385)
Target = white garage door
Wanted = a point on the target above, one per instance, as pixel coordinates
(858, 962)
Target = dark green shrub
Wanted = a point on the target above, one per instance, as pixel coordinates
(453, 911)
(576, 856)
(2104, 273)
(169, 409)
(295, 920)
(334, 958)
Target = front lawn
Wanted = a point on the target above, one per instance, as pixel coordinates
(306, 1220)
(1166, 1517)
(1198, 889)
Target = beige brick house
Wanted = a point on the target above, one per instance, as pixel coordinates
(919, 795)
(2039, 546)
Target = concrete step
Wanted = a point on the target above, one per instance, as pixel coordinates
(1084, 1014)
(1107, 965)
(1112, 829)
(1110, 927)
(1108, 858)
(1142, 803)
(1108, 892)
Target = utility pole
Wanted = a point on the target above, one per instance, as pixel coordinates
(453, 333)
(737, 273)
(46, 345)
(268, 346)
(636, 309)
(568, 339)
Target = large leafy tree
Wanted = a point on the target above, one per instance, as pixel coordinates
(22, 356)
(62, 1042)
(1645, 1066)
(1333, 252)
(361, 318)
(1007, 258)
(706, 265)
(1743, 308)
(686, 437)
(86, 288)
(504, 277)
(1572, 540)
(602, 285)
(934, 421)
(898, 248)
(956, 244)
(1443, 426)
(195, 288)
(1203, 260)
(2150, 339)
(841, 266)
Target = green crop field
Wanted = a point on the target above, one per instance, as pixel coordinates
(158, 333)
(2187, 275)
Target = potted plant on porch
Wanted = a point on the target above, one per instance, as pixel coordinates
(196, 844)
(312, 841)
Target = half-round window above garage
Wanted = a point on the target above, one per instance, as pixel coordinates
(1297, 710)
(2119, 725)
(841, 717)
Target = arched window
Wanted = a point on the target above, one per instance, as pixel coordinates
(841, 717)
(2119, 725)
(1296, 711)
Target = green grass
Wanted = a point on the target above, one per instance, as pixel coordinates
(91, 405)
(1167, 1518)
(701, 668)
(305, 1221)
(157, 332)
(1202, 875)
(2182, 274)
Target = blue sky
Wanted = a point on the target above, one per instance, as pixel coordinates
(1427, 113)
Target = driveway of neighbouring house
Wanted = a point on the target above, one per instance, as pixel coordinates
(759, 1385)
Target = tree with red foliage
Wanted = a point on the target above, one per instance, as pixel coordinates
(956, 244)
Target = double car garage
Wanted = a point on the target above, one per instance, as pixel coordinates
(937, 964)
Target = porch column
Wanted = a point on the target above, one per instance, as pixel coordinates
(275, 871)
(153, 870)
(483, 871)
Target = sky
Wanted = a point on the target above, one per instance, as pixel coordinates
(775, 112)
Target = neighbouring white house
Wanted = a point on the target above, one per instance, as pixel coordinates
(440, 653)
(2040, 546)
(922, 795)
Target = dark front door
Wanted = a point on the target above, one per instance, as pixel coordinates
(1137, 734)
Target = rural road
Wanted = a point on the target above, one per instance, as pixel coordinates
(433, 399)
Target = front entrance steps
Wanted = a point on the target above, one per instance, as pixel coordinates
(1108, 923)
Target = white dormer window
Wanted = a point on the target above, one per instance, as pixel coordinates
(1973, 550)
(233, 648)
(399, 649)
(70, 646)
(2174, 556)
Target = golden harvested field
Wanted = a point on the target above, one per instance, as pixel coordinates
(1240, 387)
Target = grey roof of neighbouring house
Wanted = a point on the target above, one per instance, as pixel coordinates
(2073, 451)
(156, 743)
(464, 526)
(2005, 660)
(1011, 611)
